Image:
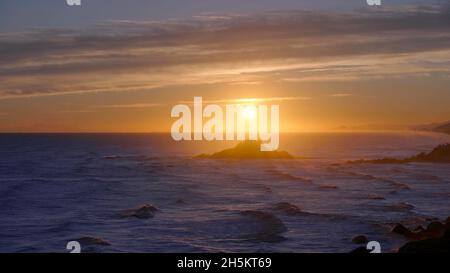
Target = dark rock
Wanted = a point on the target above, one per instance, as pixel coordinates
(86, 241)
(440, 245)
(434, 239)
(360, 250)
(435, 226)
(447, 234)
(408, 234)
(375, 197)
(329, 187)
(440, 154)
(419, 229)
(180, 201)
(401, 229)
(360, 239)
(246, 150)
(435, 229)
(144, 212)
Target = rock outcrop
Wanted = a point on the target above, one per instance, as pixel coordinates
(360, 239)
(440, 154)
(246, 150)
(143, 212)
(88, 241)
(435, 238)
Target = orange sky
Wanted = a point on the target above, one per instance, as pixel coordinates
(325, 70)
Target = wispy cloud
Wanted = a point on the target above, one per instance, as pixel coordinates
(275, 46)
(132, 105)
(76, 111)
(250, 100)
(341, 95)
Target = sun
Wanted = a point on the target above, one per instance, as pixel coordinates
(249, 112)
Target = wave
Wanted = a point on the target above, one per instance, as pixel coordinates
(305, 180)
(268, 227)
(398, 185)
(400, 206)
(290, 209)
(375, 197)
(289, 176)
(131, 157)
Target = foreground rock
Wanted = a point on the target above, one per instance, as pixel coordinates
(87, 241)
(440, 154)
(144, 212)
(360, 239)
(437, 245)
(433, 230)
(246, 150)
(360, 250)
(433, 239)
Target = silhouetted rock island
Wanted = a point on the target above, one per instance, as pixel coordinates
(440, 154)
(246, 150)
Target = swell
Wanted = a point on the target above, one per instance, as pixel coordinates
(267, 228)
(131, 157)
(288, 176)
(364, 176)
(292, 177)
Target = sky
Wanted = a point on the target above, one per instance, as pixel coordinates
(120, 66)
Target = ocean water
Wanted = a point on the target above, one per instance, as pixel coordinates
(56, 188)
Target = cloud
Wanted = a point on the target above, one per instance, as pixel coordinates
(275, 46)
(132, 105)
(250, 100)
(75, 111)
(341, 95)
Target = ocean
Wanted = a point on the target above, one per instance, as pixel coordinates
(55, 188)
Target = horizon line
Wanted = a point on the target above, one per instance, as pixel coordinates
(167, 132)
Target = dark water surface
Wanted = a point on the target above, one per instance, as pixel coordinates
(55, 188)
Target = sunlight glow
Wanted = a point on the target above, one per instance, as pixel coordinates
(249, 112)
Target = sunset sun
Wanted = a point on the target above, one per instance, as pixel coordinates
(249, 112)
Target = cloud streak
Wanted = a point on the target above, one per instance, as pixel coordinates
(289, 46)
(133, 105)
(251, 100)
(341, 95)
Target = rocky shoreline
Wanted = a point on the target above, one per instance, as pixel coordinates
(440, 154)
(433, 239)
